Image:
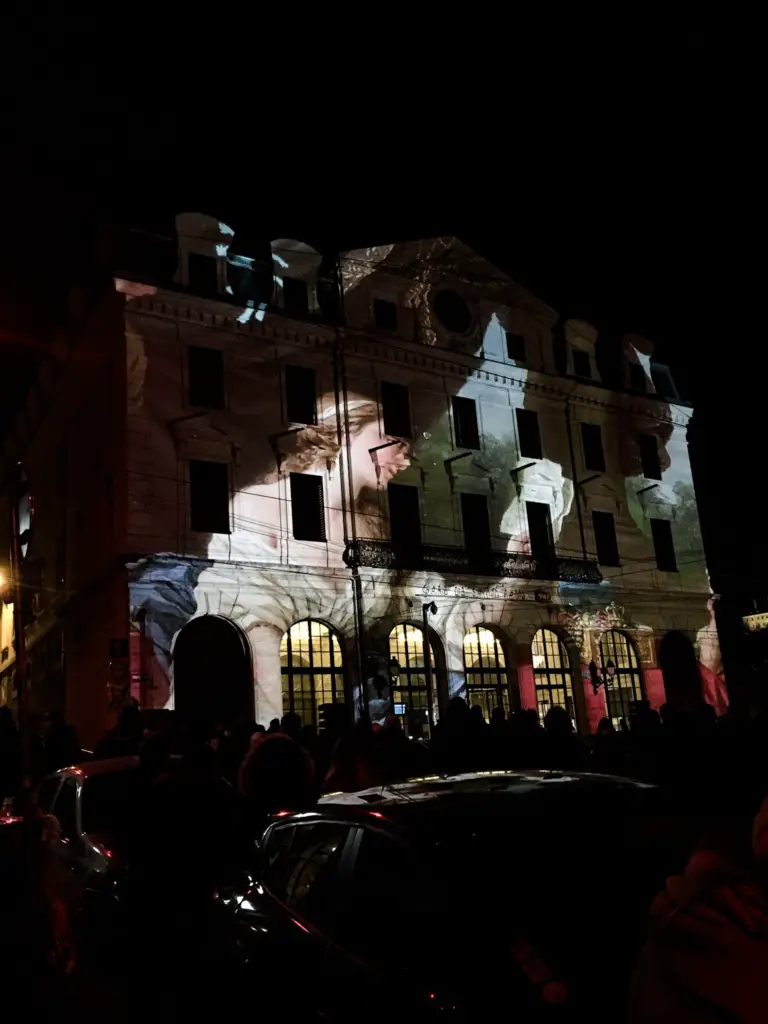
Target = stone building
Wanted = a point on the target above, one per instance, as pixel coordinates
(309, 464)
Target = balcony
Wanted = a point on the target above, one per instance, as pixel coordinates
(379, 554)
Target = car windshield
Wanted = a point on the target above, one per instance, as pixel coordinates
(111, 803)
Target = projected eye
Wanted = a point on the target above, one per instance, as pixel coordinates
(453, 311)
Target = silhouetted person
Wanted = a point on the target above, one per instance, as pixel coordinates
(527, 739)
(290, 725)
(274, 725)
(62, 747)
(125, 739)
(10, 755)
(608, 756)
(563, 750)
(277, 774)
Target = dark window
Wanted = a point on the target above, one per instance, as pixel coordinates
(66, 809)
(663, 546)
(385, 314)
(592, 442)
(452, 310)
(300, 395)
(404, 518)
(307, 508)
(637, 378)
(474, 516)
(516, 347)
(649, 456)
(581, 363)
(45, 795)
(396, 406)
(205, 368)
(465, 422)
(662, 381)
(313, 862)
(540, 530)
(277, 863)
(605, 538)
(202, 273)
(209, 496)
(295, 295)
(528, 432)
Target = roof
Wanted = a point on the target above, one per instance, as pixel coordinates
(106, 767)
(474, 788)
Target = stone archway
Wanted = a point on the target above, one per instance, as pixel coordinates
(212, 673)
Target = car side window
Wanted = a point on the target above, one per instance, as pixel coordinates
(66, 809)
(277, 864)
(47, 792)
(309, 874)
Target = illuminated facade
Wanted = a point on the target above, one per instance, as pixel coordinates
(301, 477)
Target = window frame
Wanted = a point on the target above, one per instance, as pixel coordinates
(550, 671)
(581, 353)
(634, 671)
(297, 505)
(646, 438)
(289, 671)
(463, 401)
(672, 565)
(290, 368)
(521, 415)
(501, 687)
(377, 301)
(213, 462)
(203, 405)
(596, 512)
(585, 427)
(518, 338)
(384, 385)
(411, 672)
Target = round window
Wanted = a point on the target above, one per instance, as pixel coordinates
(453, 312)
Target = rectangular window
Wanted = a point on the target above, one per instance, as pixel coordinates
(202, 274)
(209, 496)
(637, 378)
(663, 546)
(582, 366)
(605, 538)
(404, 518)
(396, 407)
(592, 442)
(465, 422)
(307, 507)
(300, 395)
(474, 517)
(540, 530)
(295, 296)
(516, 347)
(205, 377)
(649, 456)
(662, 381)
(528, 432)
(385, 314)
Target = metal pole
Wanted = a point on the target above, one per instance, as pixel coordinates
(576, 487)
(18, 626)
(428, 662)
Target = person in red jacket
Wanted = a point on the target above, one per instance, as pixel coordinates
(706, 956)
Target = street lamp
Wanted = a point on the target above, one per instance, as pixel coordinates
(601, 676)
(426, 609)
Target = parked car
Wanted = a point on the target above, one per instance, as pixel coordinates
(487, 896)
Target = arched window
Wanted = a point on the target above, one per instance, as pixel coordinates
(551, 674)
(409, 681)
(626, 684)
(485, 671)
(312, 669)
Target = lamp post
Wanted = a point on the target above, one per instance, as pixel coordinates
(602, 677)
(426, 609)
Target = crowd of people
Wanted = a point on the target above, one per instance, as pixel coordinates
(210, 788)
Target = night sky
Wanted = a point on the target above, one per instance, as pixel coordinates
(612, 172)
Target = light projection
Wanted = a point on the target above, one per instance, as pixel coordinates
(480, 490)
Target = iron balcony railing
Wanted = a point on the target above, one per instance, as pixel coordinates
(379, 554)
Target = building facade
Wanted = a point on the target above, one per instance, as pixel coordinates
(299, 473)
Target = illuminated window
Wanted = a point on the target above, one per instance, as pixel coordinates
(409, 686)
(626, 684)
(312, 669)
(551, 674)
(485, 671)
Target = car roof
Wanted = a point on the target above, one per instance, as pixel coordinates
(108, 766)
(434, 794)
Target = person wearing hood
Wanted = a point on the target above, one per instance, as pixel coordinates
(706, 956)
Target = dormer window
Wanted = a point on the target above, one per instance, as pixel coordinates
(385, 314)
(582, 364)
(295, 296)
(516, 347)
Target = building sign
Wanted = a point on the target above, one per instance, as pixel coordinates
(489, 594)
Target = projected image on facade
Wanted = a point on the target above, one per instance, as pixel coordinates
(431, 457)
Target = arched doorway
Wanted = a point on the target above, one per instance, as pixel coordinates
(552, 674)
(212, 675)
(680, 669)
(312, 669)
(409, 679)
(485, 671)
(625, 686)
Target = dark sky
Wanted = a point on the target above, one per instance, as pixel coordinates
(610, 168)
